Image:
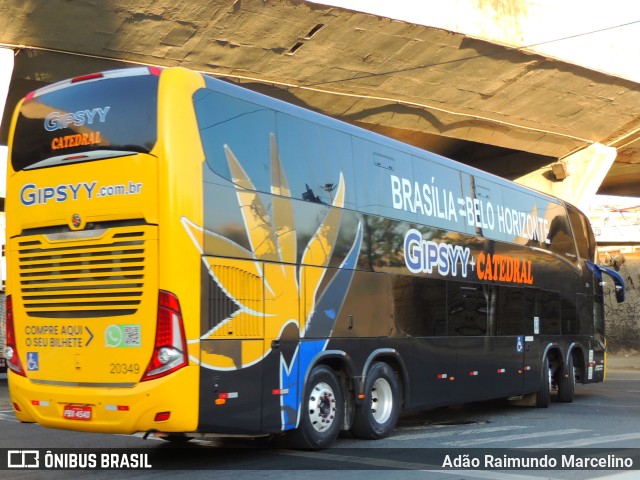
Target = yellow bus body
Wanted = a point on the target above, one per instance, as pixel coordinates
(83, 360)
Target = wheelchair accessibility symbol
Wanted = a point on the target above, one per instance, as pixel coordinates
(33, 364)
(520, 344)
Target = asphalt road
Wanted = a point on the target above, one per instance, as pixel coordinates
(604, 420)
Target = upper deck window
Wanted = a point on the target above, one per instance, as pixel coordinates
(115, 112)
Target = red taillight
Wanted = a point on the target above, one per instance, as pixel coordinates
(170, 348)
(74, 157)
(84, 78)
(11, 352)
(155, 71)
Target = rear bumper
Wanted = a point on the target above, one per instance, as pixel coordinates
(113, 410)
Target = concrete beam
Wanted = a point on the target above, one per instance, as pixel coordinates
(574, 178)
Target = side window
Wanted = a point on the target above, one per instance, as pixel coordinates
(420, 305)
(314, 156)
(560, 238)
(381, 171)
(229, 125)
(582, 233)
(511, 317)
(569, 316)
(549, 313)
(468, 309)
(585, 313)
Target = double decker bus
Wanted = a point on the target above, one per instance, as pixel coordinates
(190, 258)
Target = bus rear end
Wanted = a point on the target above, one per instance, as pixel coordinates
(95, 341)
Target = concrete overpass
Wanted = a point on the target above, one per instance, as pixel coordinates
(557, 126)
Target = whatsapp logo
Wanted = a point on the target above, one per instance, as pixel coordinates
(122, 336)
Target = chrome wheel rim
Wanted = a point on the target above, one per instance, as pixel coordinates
(381, 400)
(322, 407)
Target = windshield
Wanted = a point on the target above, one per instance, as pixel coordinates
(114, 113)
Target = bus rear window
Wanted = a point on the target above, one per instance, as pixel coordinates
(99, 116)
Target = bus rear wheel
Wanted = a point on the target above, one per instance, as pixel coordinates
(543, 396)
(376, 417)
(567, 382)
(322, 411)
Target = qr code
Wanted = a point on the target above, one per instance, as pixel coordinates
(131, 335)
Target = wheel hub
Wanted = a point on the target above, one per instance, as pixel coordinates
(322, 407)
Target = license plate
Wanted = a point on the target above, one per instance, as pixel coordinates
(3, 362)
(77, 412)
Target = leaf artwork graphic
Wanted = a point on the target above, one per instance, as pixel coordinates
(271, 291)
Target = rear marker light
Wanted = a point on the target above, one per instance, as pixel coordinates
(162, 416)
(224, 396)
(228, 395)
(74, 157)
(16, 407)
(280, 391)
(117, 408)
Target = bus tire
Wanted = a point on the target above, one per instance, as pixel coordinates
(567, 382)
(322, 411)
(377, 415)
(543, 396)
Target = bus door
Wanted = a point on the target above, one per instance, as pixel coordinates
(420, 310)
(471, 308)
(536, 322)
(491, 354)
(508, 339)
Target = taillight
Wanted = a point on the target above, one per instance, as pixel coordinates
(170, 348)
(11, 351)
(84, 78)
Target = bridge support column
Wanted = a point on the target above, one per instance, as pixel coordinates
(574, 178)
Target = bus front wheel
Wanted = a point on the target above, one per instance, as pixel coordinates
(322, 412)
(376, 417)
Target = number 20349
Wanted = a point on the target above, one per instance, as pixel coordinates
(124, 368)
